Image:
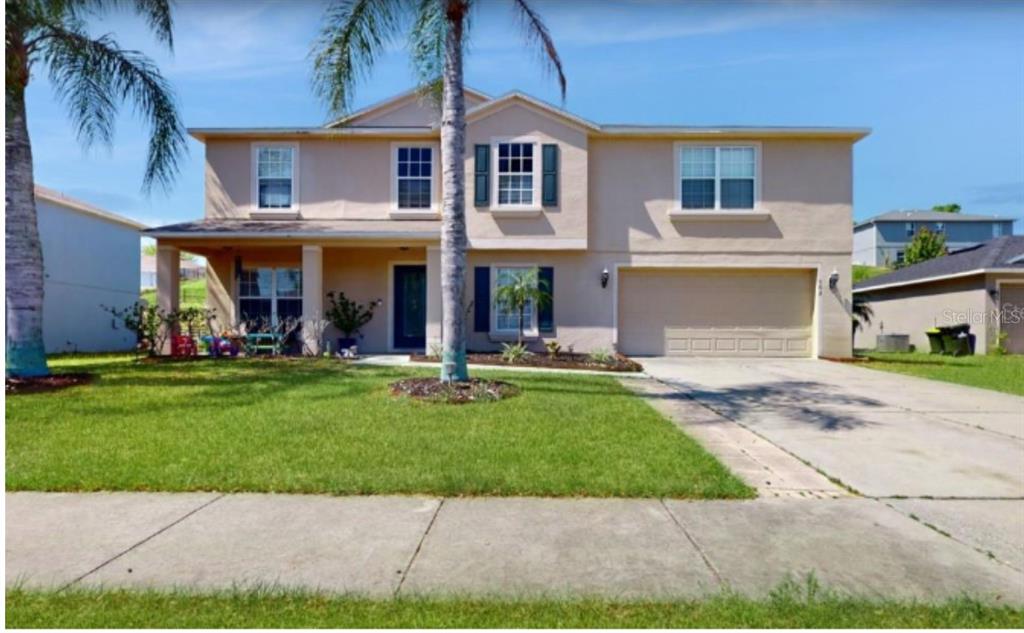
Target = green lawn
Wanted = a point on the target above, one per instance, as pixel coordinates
(324, 426)
(1000, 373)
(193, 294)
(861, 272)
(272, 609)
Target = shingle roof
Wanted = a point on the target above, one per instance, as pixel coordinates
(923, 215)
(1002, 252)
(369, 229)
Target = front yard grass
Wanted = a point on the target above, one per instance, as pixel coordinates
(787, 609)
(324, 426)
(1000, 373)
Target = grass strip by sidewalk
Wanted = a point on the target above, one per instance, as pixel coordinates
(326, 426)
(999, 373)
(788, 607)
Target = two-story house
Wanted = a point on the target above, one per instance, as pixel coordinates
(654, 239)
(882, 240)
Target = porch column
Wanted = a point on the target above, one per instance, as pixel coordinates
(312, 298)
(168, 282)
(433, 297)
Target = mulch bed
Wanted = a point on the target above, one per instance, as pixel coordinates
(855, 359)
(618, 362)
(43, 384)
(433, 390)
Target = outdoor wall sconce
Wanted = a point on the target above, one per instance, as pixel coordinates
(994, 293)
(379, 302)
(833, 279)
(604, 278)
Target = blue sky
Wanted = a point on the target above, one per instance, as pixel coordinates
(941, 84)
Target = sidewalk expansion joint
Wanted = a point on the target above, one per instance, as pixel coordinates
(143, 541)
(419, 546)
(707, 561)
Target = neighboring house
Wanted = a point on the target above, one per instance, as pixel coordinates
(654, 239)
(883, 239)
(90, 259)
(982, 286)
(190, 269)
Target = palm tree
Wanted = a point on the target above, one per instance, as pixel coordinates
(355, 33)
(525, 288)
(861, 312)
(92, 76)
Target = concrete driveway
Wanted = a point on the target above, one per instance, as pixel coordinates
(882, 434)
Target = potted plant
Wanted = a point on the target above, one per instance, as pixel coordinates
(349, 317)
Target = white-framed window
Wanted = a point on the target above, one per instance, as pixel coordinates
(505, 318)
(900, 257)
(997, 229)
(516, 169)
(717, 176)
(270, 295)
(940, 227)
(275, 184)
(910, 228)
(414, 171)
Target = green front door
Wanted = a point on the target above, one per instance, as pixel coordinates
(410, 306)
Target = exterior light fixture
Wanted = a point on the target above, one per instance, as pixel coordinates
(833, 279)
(604, 278)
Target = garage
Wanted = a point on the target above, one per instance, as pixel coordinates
(1012, 316)
(721, 312)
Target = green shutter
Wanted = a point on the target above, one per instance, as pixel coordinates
(482, 299)
(550, 175)
(546, 313)
(481, 174)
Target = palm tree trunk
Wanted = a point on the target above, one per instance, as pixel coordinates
(26, 355)
(453, 224)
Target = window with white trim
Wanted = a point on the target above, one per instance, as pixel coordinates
(717, 177)
(275, 176)
(515, 174)
(415, 175)
(506, 317)
(270, 295)
(909, 226)
(940, 227)
(997, 229)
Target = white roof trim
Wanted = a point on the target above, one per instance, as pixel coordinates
(925, 280)
(369, 235)
(55, 197)
(507, 99)
(319, 132)
(394, 102)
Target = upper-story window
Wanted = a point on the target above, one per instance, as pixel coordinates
(940, 227)
(997, 229)
(274, 181)
(717, 177)
(909, 226)
(515, 174)
(415, 174)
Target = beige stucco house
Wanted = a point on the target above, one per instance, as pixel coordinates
(982, 286)
(728, 241)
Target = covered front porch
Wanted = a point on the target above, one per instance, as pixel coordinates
(268, 281)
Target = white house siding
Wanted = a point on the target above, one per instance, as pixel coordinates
(89, 262)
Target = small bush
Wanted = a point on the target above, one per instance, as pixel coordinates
(601, 356)
(513, 353)
(553, 348)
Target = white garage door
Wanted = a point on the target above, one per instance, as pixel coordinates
(690, 312)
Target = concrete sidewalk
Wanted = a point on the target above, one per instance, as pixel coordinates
(388, 546)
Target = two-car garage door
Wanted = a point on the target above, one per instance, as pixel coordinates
(721, 312)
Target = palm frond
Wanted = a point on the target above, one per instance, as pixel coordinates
(354, 35)
(93, 76)
(156, 13)
(536, 32)
(426, 47)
